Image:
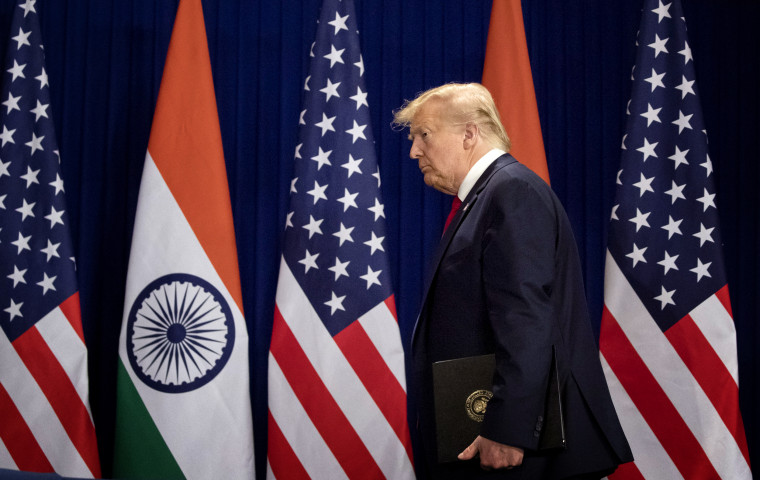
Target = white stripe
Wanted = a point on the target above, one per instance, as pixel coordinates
(672, 374)
(6, 461)
(718, 328)
(216, 418)
(299, 431)
(340, 379)
(68, 349)
(649, 456)
(38, 414)
(382, 328)
(270, 474)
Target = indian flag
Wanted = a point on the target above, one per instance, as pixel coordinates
(183, 406)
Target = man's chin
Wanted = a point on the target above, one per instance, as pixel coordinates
(430, 182)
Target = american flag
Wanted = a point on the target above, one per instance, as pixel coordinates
(45, 423)
(337, 391)
(668, 343)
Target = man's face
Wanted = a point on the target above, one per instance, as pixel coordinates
(438, 148)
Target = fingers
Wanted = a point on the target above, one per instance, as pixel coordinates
(494, 455)
(495, 463)
(469, 452)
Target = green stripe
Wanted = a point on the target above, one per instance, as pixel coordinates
(139, 448)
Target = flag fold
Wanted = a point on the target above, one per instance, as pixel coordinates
(45, 420)
(337, 388)
(667, 341)
(183, 399)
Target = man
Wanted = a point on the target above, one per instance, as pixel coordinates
(506, 280)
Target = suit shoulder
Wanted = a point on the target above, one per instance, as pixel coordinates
(516, 171)
(514, 178)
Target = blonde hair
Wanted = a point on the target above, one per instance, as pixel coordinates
(464, 103)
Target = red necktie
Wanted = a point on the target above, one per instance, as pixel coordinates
(454, 207)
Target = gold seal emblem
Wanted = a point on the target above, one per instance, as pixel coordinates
(476, 404)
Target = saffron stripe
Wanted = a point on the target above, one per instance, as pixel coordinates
(19, 439)
(61, 394)
(185, 137)
(282, 459)
(319, 404)
(711, 374)
(655, 406)
(379, 381)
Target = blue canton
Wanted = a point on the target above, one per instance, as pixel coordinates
(664, 229)
(37, 270)
(335, 229)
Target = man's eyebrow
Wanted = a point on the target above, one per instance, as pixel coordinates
(413, 131)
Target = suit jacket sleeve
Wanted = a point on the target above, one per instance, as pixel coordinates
(518, 258)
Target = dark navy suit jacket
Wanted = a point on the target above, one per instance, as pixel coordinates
(506, 279)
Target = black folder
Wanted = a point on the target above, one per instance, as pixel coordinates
(461, 390)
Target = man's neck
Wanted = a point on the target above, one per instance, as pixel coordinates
(477, 170)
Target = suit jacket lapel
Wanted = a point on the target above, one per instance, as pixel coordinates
(459, 217)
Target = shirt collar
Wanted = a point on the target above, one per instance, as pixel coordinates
(476, 171)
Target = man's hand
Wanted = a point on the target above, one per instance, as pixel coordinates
(493, 455)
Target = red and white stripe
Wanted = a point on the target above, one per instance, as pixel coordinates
(337, 406)
(45, 421)
(676, 392)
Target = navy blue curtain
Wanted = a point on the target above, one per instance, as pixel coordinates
(105, 59)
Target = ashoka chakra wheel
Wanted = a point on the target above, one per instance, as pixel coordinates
(180, 333)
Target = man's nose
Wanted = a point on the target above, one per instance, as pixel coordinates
(415, 151)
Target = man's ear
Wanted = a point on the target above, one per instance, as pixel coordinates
(471, 135)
